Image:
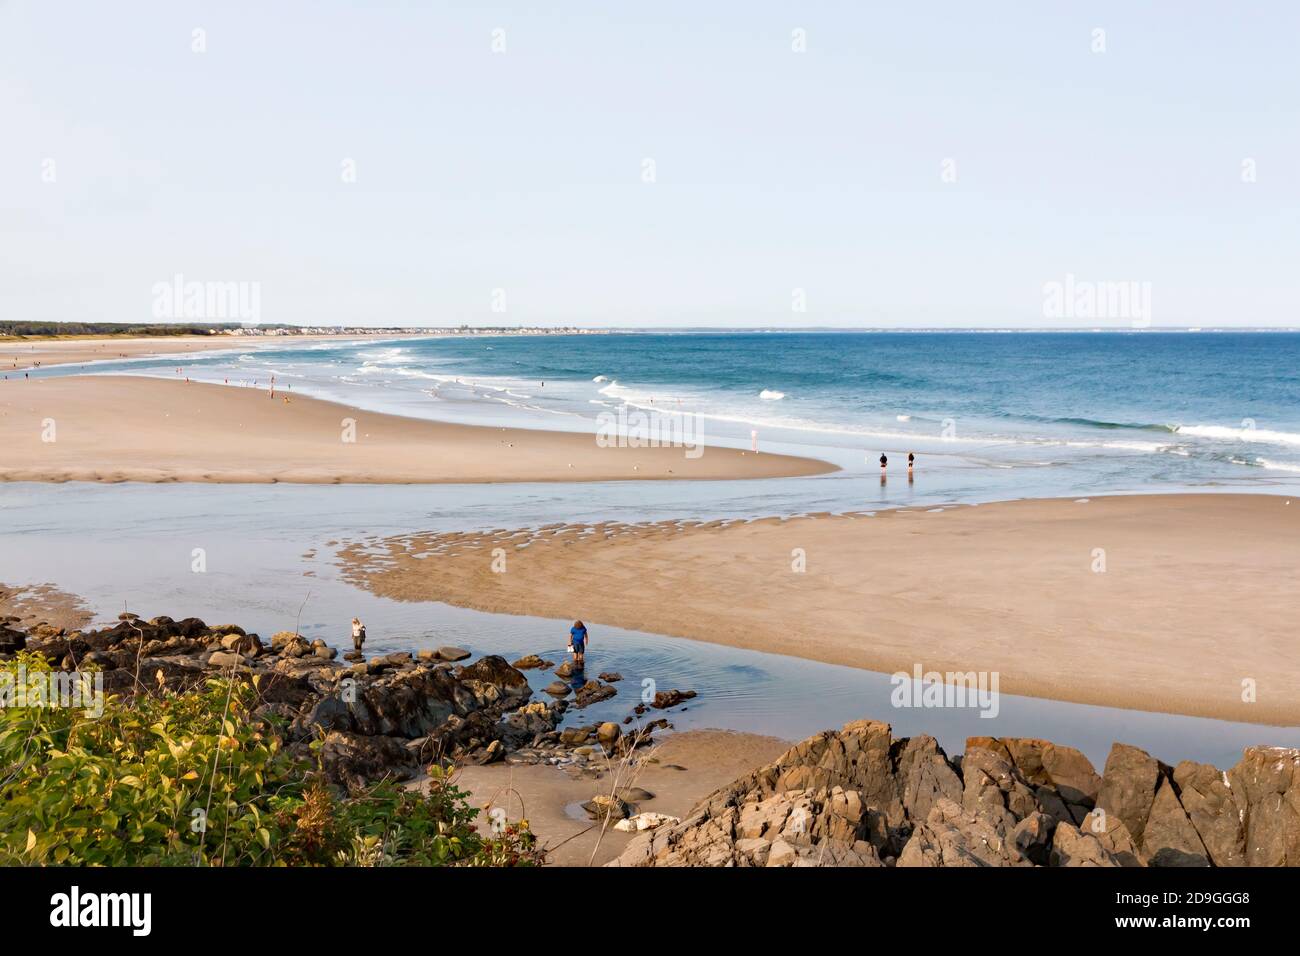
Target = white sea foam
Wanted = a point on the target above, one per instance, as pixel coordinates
(674, 404)
(771, 395)
(1278, 465)
(669, 403)
(1225, 433)
(375, 356)
(1150, 447)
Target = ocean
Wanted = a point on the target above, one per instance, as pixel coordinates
(989, 415)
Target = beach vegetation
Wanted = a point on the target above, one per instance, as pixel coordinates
(196, 778)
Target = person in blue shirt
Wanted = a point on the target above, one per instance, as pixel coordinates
(578, 638)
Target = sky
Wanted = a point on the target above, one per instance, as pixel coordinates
(732, 163)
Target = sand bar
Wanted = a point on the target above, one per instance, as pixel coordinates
(1197, 595)
(122, 428)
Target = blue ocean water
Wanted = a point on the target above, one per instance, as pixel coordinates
(989, 415)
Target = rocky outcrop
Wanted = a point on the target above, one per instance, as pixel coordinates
(1129, 787)
(384, 716)
(1169, 838)
(860, 797)
(359, 718)
(1212, 807)
(1266, 785)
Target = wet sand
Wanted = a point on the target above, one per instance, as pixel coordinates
(686, 767)
(1192, 610)
(34, 603)
(120, 428)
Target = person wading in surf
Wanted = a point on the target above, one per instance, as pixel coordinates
(578, 643)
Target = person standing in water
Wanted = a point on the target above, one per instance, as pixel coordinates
(911, 460)
(578, 643)
(884, 462)
(358, 634)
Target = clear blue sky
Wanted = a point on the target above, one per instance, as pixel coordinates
(775, 170)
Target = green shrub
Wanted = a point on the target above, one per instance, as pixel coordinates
(134, 787)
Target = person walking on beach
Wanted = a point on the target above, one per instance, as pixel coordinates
(358, 634)
(884, 462)
(911, 460)
(578, 643)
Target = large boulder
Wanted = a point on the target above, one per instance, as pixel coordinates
(1169, 838)
(1072, 847)
(953, 836)
(1064, 771)
(12, 641)
(225, 659)
(993, 786)
(250, 645)
(1032, 837)
(354, 759)
(1211, 805)
(528, 724)
(1113, 835)
(495, 670)
(1128, 787)
(931, 779)
(1266, 782)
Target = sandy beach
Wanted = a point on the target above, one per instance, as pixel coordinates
(1188, 605)
(17, 354)
(678, 770)
(119, 428)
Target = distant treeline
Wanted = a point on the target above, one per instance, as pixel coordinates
(112, 328)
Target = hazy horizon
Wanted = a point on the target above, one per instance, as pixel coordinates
(745, 166)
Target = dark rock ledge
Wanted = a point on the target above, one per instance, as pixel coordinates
(389, 715)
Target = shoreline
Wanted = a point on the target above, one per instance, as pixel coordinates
(125, 428)
(48, 351)
(1183, 612)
